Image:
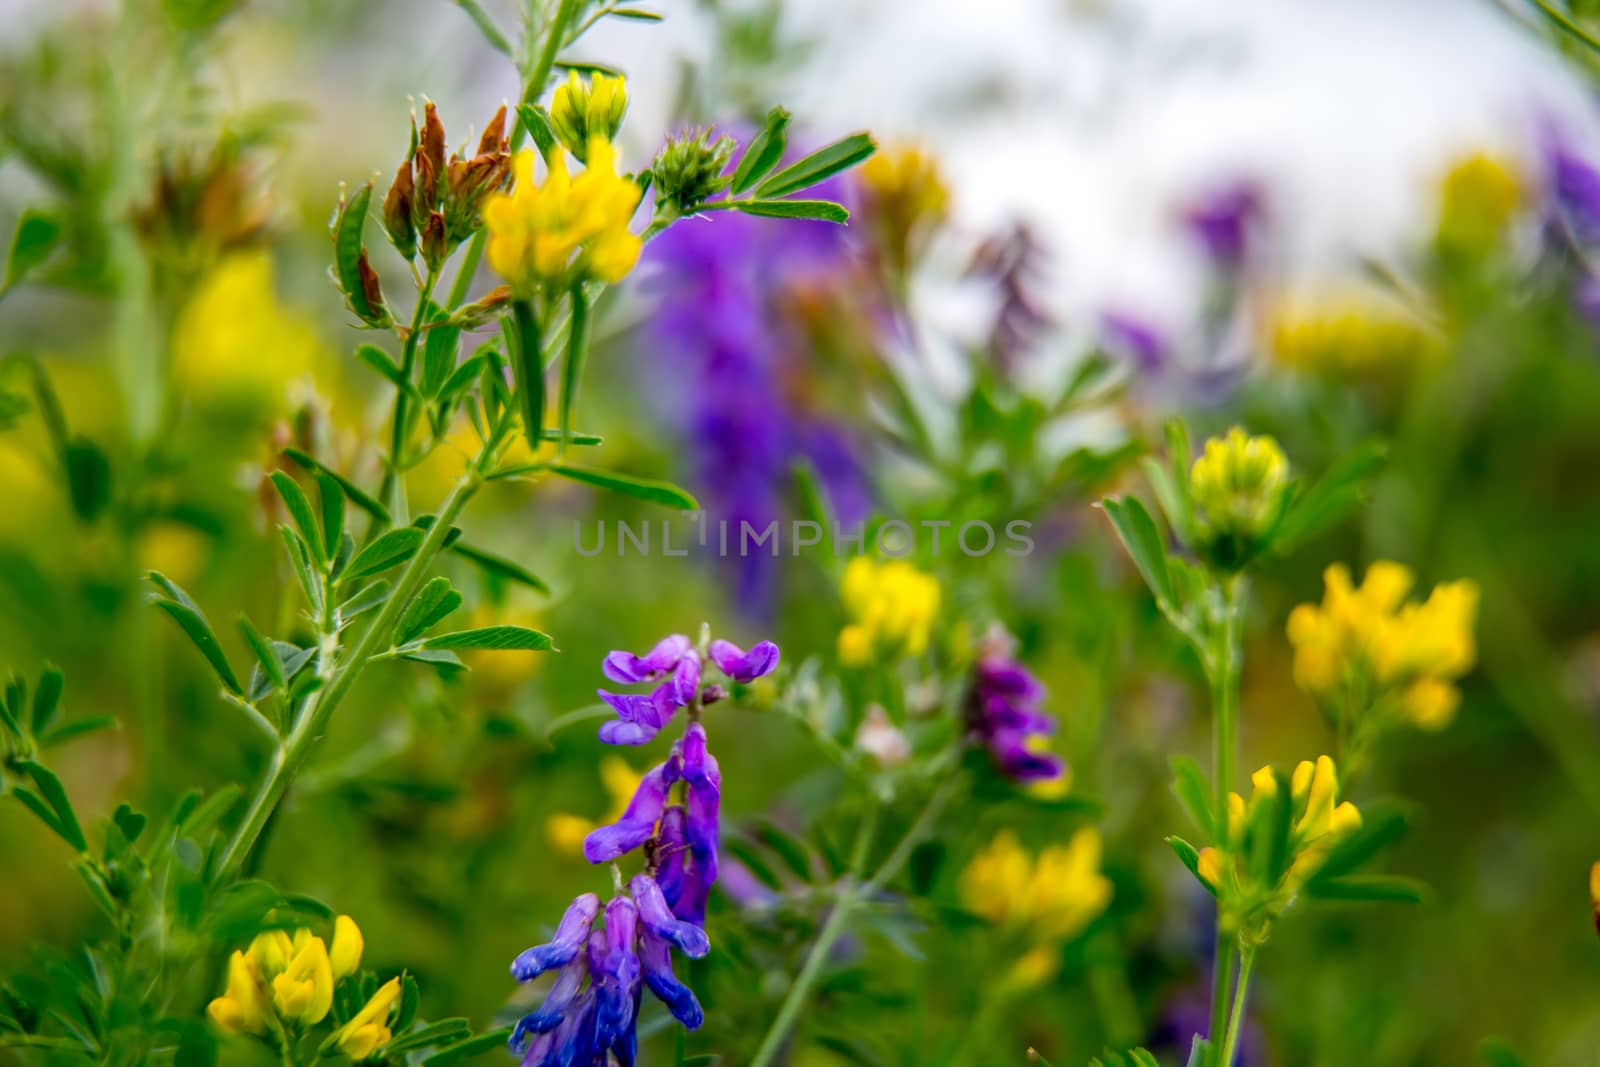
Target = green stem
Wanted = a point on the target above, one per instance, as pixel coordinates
(849, 895)
(313, 721)
(402, 414)
(1230, 1043)
(1224, 671)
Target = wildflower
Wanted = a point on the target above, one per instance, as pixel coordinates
(1252, 893)
(1003, 713)
(893, 607)
(581, 112)
(638, 822)
(1052, 896)
(303, 992)
(905, 198)
(566, 831)
(690, 169)
(1239, 485)
(591, 1009)
(546, 233)
(1224, 220)
(1369, 655)
(242, 1009)
(879, 738)
(742, 666)
(1477, 200)
(1350, 332)
(368, 1030)
(1573, 184)
(1015, 263)
(345, 955)
(641, 717)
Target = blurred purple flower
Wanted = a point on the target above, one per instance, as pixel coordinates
(742, 666)
(1132, 337)
(721, 355)
(1573, 184)
(1224, 221)
(1003, 713)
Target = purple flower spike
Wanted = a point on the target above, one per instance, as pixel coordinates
(625, 668)
(658, 919)
(640, 716)
(656, 957)
(639, 821)
(1003, 713)
(563, 948)
(569, 1044)
(701, 824)
(690, 902)
(744, 666)
(686, 678)
(616, 971)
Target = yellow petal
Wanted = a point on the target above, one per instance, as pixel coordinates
(345, 955)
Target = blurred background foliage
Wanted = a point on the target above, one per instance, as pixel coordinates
(168, 168)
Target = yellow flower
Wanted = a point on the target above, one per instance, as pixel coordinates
(1052, 897)
(1317, 820)
(368, 1031)
(1366, 647)
(582, 111)
(345, 955)
(242, 1009)
(1478, 198)
(893, 607)
(234, 345)
(905, 198)
(1238, 486)
(1346, 332)
(566, 831)
(303, 992)
(543, 234)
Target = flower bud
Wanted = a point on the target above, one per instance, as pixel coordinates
(494, 140)
(397, 208)
(368, 1031)
(483, 310)
(689, 170)
(435, 247)
(345, 955)
(369, 283)
(430, 165)
(1239, 486)
(579, 111)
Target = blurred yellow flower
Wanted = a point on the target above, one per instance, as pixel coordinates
(176, 549)
(541, 234)
(368, 1030)
(1346, 332)
(892, 607)
(234, 345)
(1478, 198)
(907, 180)
(1366, 647)
(566, 831)
(1051, 897)
(1317, 820)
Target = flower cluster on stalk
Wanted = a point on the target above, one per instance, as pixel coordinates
(1003, 714)
(604, 957)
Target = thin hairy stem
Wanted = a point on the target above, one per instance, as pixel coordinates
(1230, 1043)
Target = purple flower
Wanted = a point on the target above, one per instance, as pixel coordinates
(1574, 184)
(563, 948)
(640, 716)
(1224, 221)
(657, 918)
(559, 1002)
(742, 666)
(625, 668)
(1136, 339)
(638, 822)
(672, 847)
(656, 956)
(1003, 713)
(569, 1044)
(614, 968)
(704, 780)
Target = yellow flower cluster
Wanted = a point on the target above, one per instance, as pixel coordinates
(905, 197)
(567, 226)
(581, 111)
(1049, 898)
(1318, 820)
(1478, 198)
(1349, 333)
(1238, 484)
(566, 831)
(289, 980)
(1366, 647)
(892, 607)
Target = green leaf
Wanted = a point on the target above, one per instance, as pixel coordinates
(71, 731)
(331, 496)
(364, 601)
(388, 550)
(1191, 859)
(664, 493)
(1142, 539)
(462, 377)
(817, 167)
(352, 491)
(519, 638)
(431, 604)
(35, 237)
(379, 360)
(299, 508)
(1380, 828)
(486, 26)
(1337, 493)
(1199, 1052)
(469, 1048)
(55, 795)
(443, 1032)
(823, 210)
(193, 622)
(294, 546)
(527, 364)
(633, 13)
(130, 822)
(266, 655)
(536, 120)
(1189, 785)
(36, 804)
(1374, 887)
(763, 152)
(46, 698)
(577, 348)
(88, 477)
(440, 348)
